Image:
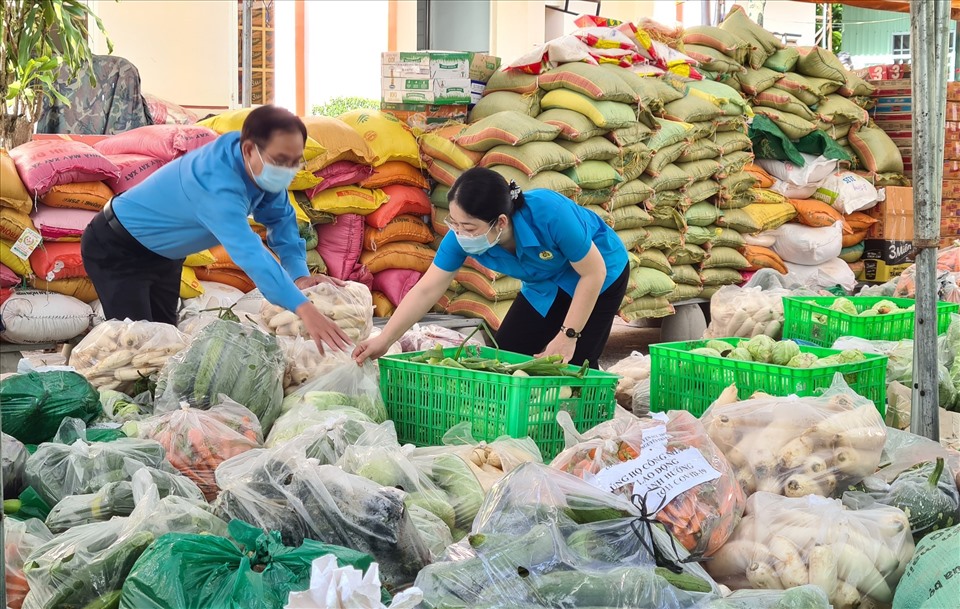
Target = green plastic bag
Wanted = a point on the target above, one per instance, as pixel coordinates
(770, 142)
(254, 570)
(819, 143)
(34, 404)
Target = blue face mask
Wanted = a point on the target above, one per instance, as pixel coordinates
(274, 178)
(475, 245)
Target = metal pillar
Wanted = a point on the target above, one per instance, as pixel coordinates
(929, 37)
(246, 42)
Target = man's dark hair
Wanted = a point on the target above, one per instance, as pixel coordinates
(261, 124)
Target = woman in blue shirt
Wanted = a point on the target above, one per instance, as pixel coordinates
(573, 267)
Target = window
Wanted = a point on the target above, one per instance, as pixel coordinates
(901, 47)
(453, 25)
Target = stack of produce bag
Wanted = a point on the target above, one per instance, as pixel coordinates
(544, 538)
(905, 286)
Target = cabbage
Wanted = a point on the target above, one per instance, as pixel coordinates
(850, 356)
(706, 351)
(803, 360)
(784, 351)
(740, 353)
(760, 347)
(327, 400)
(844, 305)
(885, 307)
(722, 347)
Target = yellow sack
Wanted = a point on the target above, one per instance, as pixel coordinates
(13, 223)
(203, 258)
(12, 262)
(301, 215)
(389, 139)
(349, 200)
(80, 288)
(232, 120)
(340, 141)
(769, 216)
(438, 146)
(304, 180)
(382, 307)
(190, 286)
(13, 194)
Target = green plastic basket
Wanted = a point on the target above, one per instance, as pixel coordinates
(680, 380)
(810, 318)
(425, 401)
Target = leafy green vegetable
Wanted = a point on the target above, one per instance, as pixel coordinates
(760, 347)
(803, 360)
(783, 352)
(705, 351)
(741, 354)
(844, 305)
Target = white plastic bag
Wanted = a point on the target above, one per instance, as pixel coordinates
(333, 587)
(814, 171)
(847, 192)
(801, 244)
(764, 239)
(832, 273)
(791, 191)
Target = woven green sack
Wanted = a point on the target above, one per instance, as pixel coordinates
(646, 281)
(793, 126)
(839, 110)
(801, 87)
(654, 259)
(712, 60)
(715, 277)
(670, 178)
(724, 258)
(684, 292)
(783, 60)
(509, 128)
(701, 214)
(660, 238)
(665, 156)
(688, 253)
(503, 101)
(669, 133)
(692, 109)
(820, 63)
(653, 92)
(723, 41)
(590, 80)
(685, 274)
(754, 82)
(531, 158)
(700, 150)
(632, 161)
(649, 307)
(604, 114)
(593, 175)
(633, 192)
(631, 135)
(594, 149)
(785, 101)
(700, 170)
(594, 197)
(630, 217)
(573, 126)
(698, 235)
(702, 190)
(726, 237)
(512, 81)
(732, 141)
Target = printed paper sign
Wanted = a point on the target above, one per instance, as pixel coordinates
(24, 246)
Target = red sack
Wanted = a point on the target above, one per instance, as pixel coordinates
(43, 164)
(164, 142)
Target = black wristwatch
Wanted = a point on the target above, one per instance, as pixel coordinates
(570, 332)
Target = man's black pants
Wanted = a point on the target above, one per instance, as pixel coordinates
(131, 281)
(525, 331)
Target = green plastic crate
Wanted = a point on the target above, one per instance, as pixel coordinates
(680, 380)
(425, 401)
(810, 318)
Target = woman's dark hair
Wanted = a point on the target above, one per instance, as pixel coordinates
(485, 194)
(260, 125)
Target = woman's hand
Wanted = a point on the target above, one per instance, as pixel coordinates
(311, 280)
(561, 345)
(372, 348)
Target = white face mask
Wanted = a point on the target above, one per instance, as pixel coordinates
(477, 244)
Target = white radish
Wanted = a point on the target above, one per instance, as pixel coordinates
(845, 596)
(789, 566)
(876, 550)
(855, 568)
(823, 568)
(853, 462)
(796, 451)
(763, 577)
(800, 485)
(814, 465)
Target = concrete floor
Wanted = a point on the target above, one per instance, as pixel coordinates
(625, 339)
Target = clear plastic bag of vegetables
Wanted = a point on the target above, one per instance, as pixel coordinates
(324, 434)
(489, 461)
(198, 441)
(423, 338)
(119, 407)
(914, 477)
(783, 542)
(248, 569)
(345, 385)
(630, 456)
(91, 562)
(544, 539)
(13, 457)
(350, 306)
(240, 362)
(20, 538)
(118, 354)
(632, 370)
(282, 490)
(798, 446)
(34, 404)
(801, 597)
(444, 486)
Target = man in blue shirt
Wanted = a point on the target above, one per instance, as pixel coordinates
(134, 249)
(573, 267)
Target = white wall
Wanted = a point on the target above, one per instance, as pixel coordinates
(787, 16)
(285, 49)
(515, 27)
(185, 52)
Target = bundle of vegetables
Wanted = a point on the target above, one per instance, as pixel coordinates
(345, 385)
(119, 407)
(489, 462)
(281, 490)
(304, 362)
(13, 457)
(633, 369)
(21, 538)
(198, 441)
(33, 405)
(801, 597)
(249, 569)
(545, 539)
(87, 565)
(765, 350)
(240, 362)
(323, 434)
(798, 446)
(447, 488)
(701, 517)
(117, 354)
(856, 557)
(468, 357)
(350, 306)
(112, 499)
(913, 476)
(752, 309)
(845, 305)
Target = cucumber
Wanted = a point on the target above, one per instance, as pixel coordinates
(684, 581)
(611, 589)
(110, 600)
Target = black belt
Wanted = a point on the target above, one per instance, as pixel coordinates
(114, 223)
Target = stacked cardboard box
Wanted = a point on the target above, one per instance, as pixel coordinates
(433, 87)
(888, 249)
(950, 209)
(893, 109)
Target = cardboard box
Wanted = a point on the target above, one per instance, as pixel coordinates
(890, 252)
(953, 111)
(482, 66)
(430, 91)
(952, 131)
(878, 271)
(476, 91)
(893, 105)
(949, 225)
(894, 215)
(951, 151)
(404, 71)
(441, 64)
(953, 91)
(951, 170)
(949, 208)
(421, 115)
(951, 189)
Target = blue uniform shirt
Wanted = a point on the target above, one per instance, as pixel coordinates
(550, 231)
(204, 198)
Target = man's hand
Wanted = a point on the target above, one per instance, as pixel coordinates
(372, 348)
(561, 345)
(311, 280)
(321, 329)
